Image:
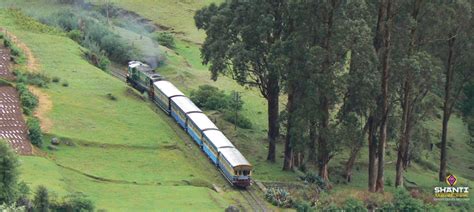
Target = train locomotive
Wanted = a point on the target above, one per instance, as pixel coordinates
(218, 148)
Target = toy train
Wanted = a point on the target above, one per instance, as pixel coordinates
(223, 154)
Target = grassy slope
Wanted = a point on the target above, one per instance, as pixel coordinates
(169, 13)
(114, 134)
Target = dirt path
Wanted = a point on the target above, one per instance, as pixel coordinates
(44, 106)
(32, 64)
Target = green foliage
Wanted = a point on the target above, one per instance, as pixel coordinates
(404, 202)
(34, 132)
(56, 79)
(30, 24)
(92, 33)
(303, 206)
(279, 197)
(209, 97)
(237, 119)
(352, 204)
(8, 174)
(76, 202)
(76, 35)
(11, 208)
(16, 54)
(28, 100)
(313, 178)
(37, 79)
(165, 39)
(41, 199)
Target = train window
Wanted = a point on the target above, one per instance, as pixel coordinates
(235, 172)
(246, 173)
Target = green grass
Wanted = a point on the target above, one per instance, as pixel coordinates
(176, 15)
(125, 141)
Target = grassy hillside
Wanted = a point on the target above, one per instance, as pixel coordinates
(172, 14)
(125, 156)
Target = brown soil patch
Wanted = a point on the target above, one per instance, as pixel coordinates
(44, 106)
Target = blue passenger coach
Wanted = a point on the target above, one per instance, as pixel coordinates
(180, 107)
(164, 91)
(197, 124)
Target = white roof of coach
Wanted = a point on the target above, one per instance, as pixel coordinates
(202, 121)
(218, 138)
(168, 88)
(185, 104)
(234, 157)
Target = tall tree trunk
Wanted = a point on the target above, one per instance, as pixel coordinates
(273, 114)
(407, 105)
(446, 108)
(312, 142)
(355, 151)
(288, 160)
(385, 97)
(372, 154)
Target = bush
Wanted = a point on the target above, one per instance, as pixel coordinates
(279, 197)
(76, 35)
(303, 207)
(28, 100)
(209, 97)
(41, 199)
(74, 202)
(313, 178)
(56, 79)
(34, 132)
(404, 202)
(165, 39)
(239, 120)
(65, 84)
(36, 79)
(352, 204)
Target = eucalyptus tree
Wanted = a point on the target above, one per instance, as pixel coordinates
(454, 46)
(416, 74)
(242, 40)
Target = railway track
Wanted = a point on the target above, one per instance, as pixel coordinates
(118, 74)
(255, 203)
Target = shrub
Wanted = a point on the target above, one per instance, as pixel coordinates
(111, 97)
(28, 100)
(279, 197)
(209, 97)
(404, 202)
(74, 202)
(303, 207)
(37, 79)
(239, 120)
(56, 79)
(76, 35)
(34, 132)
(313, 178)
(165, 39)
(352, 204)
(65, 84)
(41, 199)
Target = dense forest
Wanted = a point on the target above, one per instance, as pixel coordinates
(351, 72)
